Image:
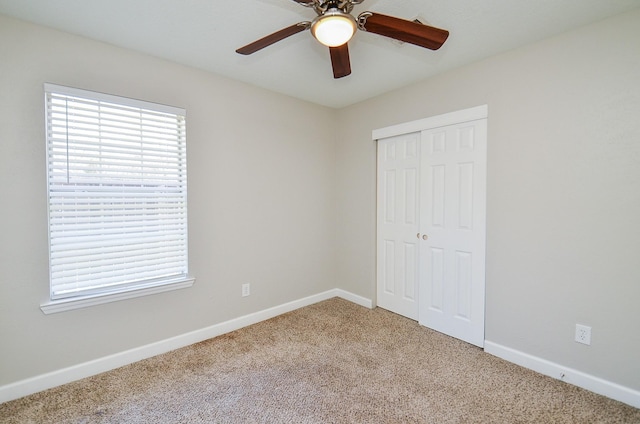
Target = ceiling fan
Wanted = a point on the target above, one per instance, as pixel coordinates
(334, 26)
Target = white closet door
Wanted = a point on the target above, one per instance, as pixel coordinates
(397, 245)
(452, 220)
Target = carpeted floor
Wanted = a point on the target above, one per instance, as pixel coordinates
(332, 362)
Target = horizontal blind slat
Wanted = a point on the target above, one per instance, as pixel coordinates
(115, 251)
(107, 270)
(107, 285)
(106, 254)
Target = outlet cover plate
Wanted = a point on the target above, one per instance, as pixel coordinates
(583, 334)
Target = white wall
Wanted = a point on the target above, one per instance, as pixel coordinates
(563, 230)
(261, 200)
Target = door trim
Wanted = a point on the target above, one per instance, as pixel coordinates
(451, 118)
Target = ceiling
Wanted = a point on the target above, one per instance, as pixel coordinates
(205, 34)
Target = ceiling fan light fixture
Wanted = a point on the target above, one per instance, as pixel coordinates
(334, 28)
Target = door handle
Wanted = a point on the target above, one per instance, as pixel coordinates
(424, 236)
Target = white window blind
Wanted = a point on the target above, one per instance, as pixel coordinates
(117, 189)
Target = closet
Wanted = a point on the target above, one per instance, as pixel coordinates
(431, 218)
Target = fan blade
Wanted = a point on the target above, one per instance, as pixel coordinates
(273, 38)
(410, 32)
(340, 61)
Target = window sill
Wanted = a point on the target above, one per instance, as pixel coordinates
(55, 306)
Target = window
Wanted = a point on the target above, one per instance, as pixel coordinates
(117, 191)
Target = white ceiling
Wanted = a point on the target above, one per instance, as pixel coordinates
(205, 34)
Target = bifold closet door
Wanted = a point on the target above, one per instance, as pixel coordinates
(452, 227)
(398, 213)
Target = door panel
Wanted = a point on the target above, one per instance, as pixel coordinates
(452, 216)
(389, 264)
(398, 203)
(437, 195)
(436, 269)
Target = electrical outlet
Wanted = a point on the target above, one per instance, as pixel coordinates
(246, 290)
(583, 334)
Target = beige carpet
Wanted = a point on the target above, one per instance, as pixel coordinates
(332, 362)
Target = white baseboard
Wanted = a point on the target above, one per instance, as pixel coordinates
(87, 369)
(569, 375)
(354, 298)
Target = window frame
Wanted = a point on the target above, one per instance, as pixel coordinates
(120, 291)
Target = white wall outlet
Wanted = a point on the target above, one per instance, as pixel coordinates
(583, 334)
(246, 290)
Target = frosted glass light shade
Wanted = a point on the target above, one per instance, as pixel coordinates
(333, 29)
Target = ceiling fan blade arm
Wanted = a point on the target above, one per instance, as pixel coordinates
(273, 38)
(400, 29)
(340, 61)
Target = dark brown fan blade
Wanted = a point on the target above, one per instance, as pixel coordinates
(410, 32)
(273, 38)
(340, 61)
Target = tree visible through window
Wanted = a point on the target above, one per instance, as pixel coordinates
(117, 190)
